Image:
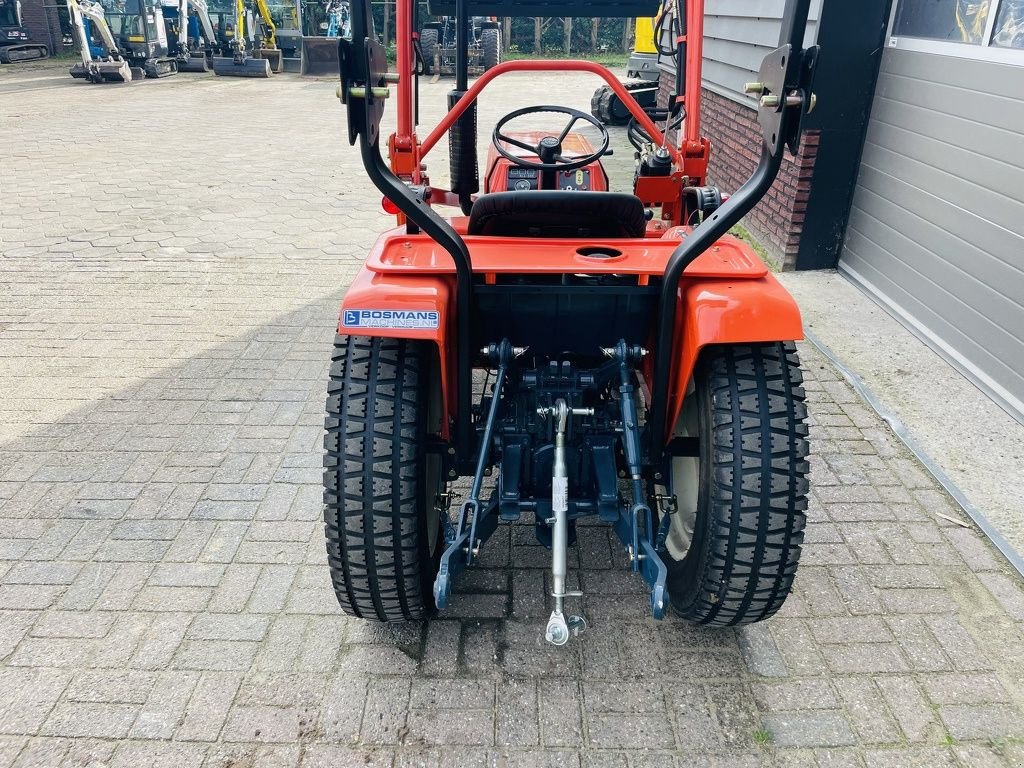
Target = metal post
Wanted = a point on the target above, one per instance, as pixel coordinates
(416, 69)
(462, 22)
(694, 64)
(403, 36)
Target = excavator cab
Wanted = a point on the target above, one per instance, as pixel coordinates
(141, 35)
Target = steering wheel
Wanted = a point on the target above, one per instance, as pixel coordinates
(549, 150)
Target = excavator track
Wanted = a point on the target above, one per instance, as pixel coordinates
(160, 67)
(13, 54)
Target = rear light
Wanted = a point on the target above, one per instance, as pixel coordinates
(390, 207)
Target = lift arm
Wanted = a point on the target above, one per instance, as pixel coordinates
(238, 40)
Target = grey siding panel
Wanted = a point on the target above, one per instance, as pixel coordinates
(738, 34)
(937, 226)
(901, 152)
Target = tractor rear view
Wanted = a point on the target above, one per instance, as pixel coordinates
(570, 351)
(438, 46)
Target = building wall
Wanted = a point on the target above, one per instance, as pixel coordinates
(738, 34)
(776, 221)
(937, 227)
(43, 23)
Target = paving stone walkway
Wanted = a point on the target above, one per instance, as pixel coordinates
(172, 255)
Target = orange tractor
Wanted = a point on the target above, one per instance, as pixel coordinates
(569, 350)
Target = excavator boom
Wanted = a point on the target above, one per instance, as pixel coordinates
(87, 18)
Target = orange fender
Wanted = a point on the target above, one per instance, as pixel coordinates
(727, 312)
(405, 307)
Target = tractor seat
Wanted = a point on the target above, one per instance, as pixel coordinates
(558, 213)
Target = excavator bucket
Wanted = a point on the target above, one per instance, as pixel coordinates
(320, 56)
(104, 71)
(196, 62)
(248, 67)
(274, 56)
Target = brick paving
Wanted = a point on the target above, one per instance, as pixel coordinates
(173, 254)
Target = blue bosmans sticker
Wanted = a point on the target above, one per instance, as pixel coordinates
(390, 318)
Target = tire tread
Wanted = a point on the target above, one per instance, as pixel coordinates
(372, 452)
(757, 496)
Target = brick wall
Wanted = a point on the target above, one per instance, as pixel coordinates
(43, 23)
(777, 221)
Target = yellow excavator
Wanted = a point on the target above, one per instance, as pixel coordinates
(253, 40)
(641, 78)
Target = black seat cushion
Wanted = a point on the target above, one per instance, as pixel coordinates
(557, 213)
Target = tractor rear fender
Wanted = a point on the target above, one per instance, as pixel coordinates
(406, 307)
(744, 311)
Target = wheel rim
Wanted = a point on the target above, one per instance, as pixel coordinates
(685, 484)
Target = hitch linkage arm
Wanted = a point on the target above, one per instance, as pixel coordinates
(635, 526)
(477, 522)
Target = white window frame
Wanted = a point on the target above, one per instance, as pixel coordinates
(983, 51)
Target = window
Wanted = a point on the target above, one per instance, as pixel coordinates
(981, 29)
(962, 21)
(1009, 26)
(7, 16)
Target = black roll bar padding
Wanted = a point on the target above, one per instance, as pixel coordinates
(462, 157)
(788, 69)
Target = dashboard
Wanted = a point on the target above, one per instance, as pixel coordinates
(522, 179)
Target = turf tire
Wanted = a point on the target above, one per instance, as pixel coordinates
(384, 537)
(490, 48)
(751, 486)
(428, 48)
